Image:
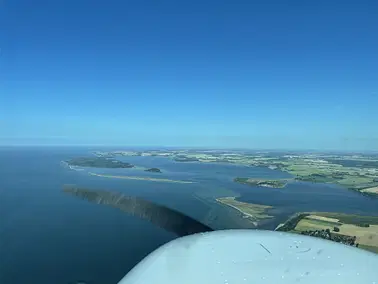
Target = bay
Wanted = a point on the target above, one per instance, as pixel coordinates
(48, 236)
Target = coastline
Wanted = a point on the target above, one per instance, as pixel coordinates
(238, 209)
(257, 212)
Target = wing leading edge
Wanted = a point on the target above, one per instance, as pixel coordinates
(254, 256)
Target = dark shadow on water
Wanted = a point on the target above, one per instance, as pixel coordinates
(168, 219)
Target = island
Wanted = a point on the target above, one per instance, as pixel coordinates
(254, 212)
(349, 229)
(140, 178)
(354, 171)
(261, 182)
(153, 170)
(98, 162)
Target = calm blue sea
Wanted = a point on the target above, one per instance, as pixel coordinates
(47, 236)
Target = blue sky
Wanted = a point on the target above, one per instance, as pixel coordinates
(250, 74)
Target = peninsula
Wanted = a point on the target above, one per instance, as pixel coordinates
(98, 162)
(356, 171)
(254, 212)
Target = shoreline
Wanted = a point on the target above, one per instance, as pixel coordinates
(233, 206)
(262, 182)
(141, 178)
(257, 215)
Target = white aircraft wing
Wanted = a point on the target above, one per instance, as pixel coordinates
(254, 256)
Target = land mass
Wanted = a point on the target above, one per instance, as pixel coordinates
(185, 159)
(153, 170)
(141, 178)
(98, 162)
(356, 171)
(355, 230)
(261, 182)
(254, 212)
(370, 190)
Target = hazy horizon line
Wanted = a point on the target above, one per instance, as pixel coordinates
(160, 147)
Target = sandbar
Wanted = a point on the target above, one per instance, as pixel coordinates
(142, 178)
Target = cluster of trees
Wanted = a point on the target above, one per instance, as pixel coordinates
(326, 234)
(315, 178)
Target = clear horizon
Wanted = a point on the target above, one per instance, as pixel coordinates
(273, 75)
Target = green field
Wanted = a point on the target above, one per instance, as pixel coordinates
(363, 228)
(255, 212)
(351, 218)
(352, 171)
